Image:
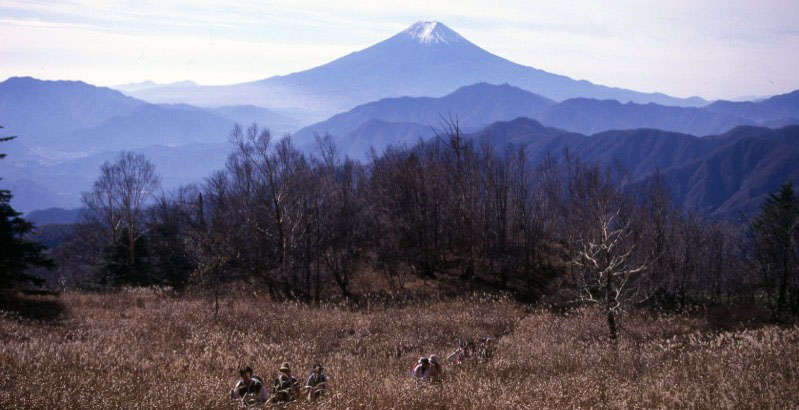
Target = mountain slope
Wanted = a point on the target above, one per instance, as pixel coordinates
(538, 139)
(379, 135)
(474, 106)
(59, 120)
(722, 175)
(427, 59)
(777, 108)
(43, 112)
(737, 176)
(152, 124)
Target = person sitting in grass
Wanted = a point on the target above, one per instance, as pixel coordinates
(421, 371)
(286, 386)
(249, 388)
(436, 371)
(486, 349)
(316, 384)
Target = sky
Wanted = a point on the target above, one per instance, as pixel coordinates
(714, 49)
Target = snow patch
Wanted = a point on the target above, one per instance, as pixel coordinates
(432, 32)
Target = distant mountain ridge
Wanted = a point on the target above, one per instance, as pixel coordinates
(66, 129)
(776, 108)
(426, 59)
(143, 85)
(42, 111)
(481, 104)
(721, 175)
(79, 118)
(589, 116)
(474, 106)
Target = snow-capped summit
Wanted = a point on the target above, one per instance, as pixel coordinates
(432, 32)
(426, 59)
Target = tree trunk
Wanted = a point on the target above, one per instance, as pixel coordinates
(132, 254)
(783, 285)
(343, 284)
(610, 305)
(612, 324)
(216, 299)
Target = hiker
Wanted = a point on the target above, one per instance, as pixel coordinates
(486, 349)
(286, 386)
(421, 371)
(316, 384)
(436, 371)
(459, 355)
(249, 388)
(470, 349)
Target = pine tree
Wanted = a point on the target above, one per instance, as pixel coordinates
(116, 268)
(776, 231)
(17, 254)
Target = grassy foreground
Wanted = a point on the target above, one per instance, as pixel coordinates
(138, 350)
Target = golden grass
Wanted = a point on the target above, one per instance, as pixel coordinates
(138, 350)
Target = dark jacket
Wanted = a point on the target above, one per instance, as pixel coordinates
(285, 383)
(254, 387)
(313, 380)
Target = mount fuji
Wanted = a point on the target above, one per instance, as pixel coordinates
(427, 59)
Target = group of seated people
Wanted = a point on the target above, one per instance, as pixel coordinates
(427, 369)
(251, 388)
(285, 387)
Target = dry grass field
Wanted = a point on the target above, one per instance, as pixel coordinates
(138, 350)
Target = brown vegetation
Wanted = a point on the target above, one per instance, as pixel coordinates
(139, 349)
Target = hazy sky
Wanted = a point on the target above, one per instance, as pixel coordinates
(714, 49)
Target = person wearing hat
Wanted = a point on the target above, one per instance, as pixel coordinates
(421, 371)
(286, 386)
(315, 386)
(249, 387)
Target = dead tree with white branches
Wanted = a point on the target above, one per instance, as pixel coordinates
(609, 253)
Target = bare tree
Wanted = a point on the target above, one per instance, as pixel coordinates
(136, 183)
(104, 207)
(609, 261)
(118, 197)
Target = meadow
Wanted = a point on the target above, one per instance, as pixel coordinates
(142, 349)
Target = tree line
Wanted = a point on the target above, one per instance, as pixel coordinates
(451, 208)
